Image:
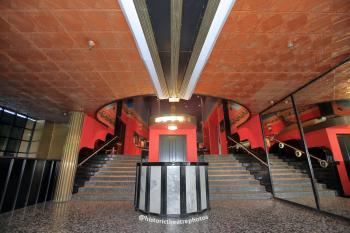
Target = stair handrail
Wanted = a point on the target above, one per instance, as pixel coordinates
(98, 150)
(298, 152)
(248, 151)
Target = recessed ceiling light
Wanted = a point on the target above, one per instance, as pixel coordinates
(272, 102)
(172, 127)
(174, 99)
(169, 118)
(291, 45)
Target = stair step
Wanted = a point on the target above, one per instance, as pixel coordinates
(224, 169)
(218, 172)
(107, 189)
(233, 182)
(110, 183)
(240, 196)
(115, 178)
(296, 186)
(113, 172)
(224, 165)
(121, 168)
(229, 176)
(291, 181)
(304, 194)
(106, 196)
(236, 188)
(289, 175)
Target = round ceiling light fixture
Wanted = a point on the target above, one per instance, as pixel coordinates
(91, 44)
(291, 45)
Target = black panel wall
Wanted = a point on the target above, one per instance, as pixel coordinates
(25, 181)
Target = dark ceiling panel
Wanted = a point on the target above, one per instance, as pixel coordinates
(192, 14)
(159, 12)
(165, 59)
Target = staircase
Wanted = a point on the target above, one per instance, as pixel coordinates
(229, 180)
(291, 181)
(111, 178)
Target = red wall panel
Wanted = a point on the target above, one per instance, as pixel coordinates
(92, 131)
(132, 124)
(191, 141)
(251, 131)
(211, 131)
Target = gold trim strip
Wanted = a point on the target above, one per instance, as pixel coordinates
(175, 22)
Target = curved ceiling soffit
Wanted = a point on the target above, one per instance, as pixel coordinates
(239, 110)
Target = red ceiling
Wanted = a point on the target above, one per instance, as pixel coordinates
(46, 67)
(251, 62)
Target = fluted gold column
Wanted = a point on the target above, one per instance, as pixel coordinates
(69, 160)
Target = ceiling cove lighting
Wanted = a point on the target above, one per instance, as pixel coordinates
(172, 127)
(133, 20)
(164, 119)
(218, 22)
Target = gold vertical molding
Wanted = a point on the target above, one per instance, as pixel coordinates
(175, 24)
(64, 187)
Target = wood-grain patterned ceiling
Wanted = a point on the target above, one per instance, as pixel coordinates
(251, 62)
(46, 67)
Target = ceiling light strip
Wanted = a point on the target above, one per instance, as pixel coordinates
(175, 22)
(214, 19)
(136, 14)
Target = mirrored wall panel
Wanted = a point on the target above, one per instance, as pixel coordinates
(287, 158)
(324, 109)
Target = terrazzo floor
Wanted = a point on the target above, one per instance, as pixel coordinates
(224, 216)
(336, 205)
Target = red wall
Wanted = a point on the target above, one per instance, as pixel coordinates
(325, 138)
(211, 131)
(92, 131)
(251, 131)
(191, 140)
(132, 124)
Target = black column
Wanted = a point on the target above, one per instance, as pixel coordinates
(118, 115)
(227, 122)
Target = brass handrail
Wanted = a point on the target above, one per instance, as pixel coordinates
(98, 150)
(299, 152)
(249, 152)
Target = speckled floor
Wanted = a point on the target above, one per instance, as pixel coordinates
(335, 205)
(225, 216)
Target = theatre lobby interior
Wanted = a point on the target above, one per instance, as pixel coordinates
(174, 116)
